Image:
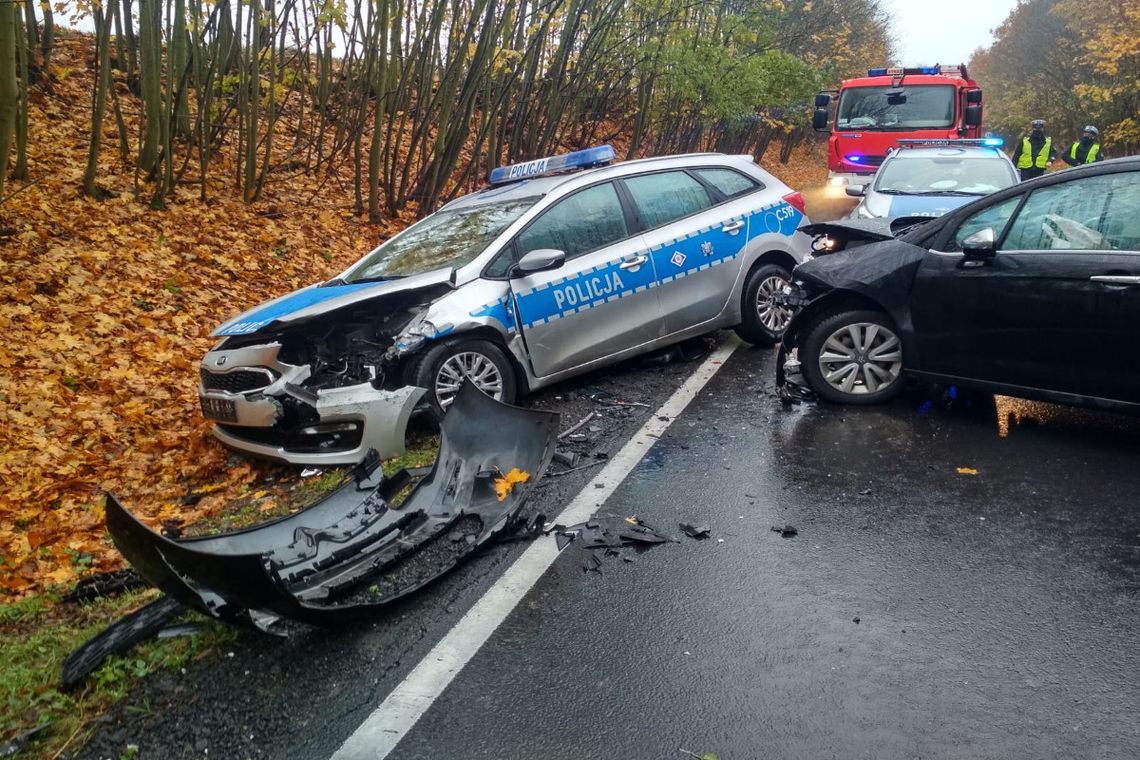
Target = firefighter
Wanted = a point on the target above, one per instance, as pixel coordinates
(1035, 151)
(1086, 150)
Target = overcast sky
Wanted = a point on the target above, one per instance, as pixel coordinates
(944, 32)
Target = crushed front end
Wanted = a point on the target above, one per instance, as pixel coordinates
(321, 390)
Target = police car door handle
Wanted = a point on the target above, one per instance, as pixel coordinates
(633, 264)
(1116, 279)
(733, 227)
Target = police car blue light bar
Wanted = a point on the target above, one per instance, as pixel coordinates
(579, 159)
(934, 142)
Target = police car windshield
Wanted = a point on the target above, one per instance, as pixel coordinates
(444, 239)
(896, 108)
(943, 175)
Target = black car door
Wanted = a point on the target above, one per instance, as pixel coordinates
(1057, 307)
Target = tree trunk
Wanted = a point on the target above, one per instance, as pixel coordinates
(103, 17)
(20, 171)
(150, 49)
(47, 41)
(9, 89)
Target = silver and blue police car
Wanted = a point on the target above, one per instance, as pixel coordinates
(560, 266)
(933, 177)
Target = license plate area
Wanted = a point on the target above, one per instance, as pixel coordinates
(220, 409)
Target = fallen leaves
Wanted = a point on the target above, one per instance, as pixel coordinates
(506, 484)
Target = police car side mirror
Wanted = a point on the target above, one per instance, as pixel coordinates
(856, 191)
(540, 260)
(980, 245)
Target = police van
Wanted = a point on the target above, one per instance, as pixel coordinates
(560, 266)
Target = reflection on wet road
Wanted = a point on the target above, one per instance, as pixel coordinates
(963, 585)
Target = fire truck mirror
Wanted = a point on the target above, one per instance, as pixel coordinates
(823, 100)
(973, 96)
(973, 116)
(819, 119)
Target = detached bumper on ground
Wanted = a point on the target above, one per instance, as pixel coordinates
(352, 552)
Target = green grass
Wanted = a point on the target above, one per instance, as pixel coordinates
(36, 634)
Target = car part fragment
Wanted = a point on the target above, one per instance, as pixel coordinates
(353, 552)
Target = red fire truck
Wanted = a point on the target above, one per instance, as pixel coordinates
(874, 111)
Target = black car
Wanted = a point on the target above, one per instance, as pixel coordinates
(1033, 291)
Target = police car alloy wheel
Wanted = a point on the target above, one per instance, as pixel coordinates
(854, 357)
(443, 369)
(762, 320)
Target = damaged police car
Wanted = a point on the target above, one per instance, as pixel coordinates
(561, 266)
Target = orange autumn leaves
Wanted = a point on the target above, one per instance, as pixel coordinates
(105, 310)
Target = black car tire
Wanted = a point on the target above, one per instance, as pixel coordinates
(816, 338)
(752, 327)
(425, 369)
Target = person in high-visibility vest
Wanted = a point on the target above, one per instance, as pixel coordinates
(1086, 150)
(1034, 152)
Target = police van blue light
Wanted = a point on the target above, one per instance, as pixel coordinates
(579, 159)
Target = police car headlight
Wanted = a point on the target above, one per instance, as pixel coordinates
(837, 181)
(412, 337)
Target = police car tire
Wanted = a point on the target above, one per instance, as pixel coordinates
(751, 328)
(812, 346)
(425, 367)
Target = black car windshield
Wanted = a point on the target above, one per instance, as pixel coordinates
(444, 239)
(896, 108)
(944, 175)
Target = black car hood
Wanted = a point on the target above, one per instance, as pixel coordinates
(882, 272)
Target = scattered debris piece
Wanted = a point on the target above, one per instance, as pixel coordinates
(118, 638)
(576, 469)
(578, 438)
(609, 533)
(787, 531)
(855, 620)
(577, 426)
(967, 471)
(20, 740)
(592, 564)
(568, 458)
(309, 472)
(178, 631)
(695, 531)
(104, 584)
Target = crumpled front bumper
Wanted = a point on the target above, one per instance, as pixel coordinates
(331, 426)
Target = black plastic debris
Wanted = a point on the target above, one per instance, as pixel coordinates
(695, 531)
(118, 639)
(351, 553)
(20, 740)
(609, 532)
(787, 531)
(104, 584)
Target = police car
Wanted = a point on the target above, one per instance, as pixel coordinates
(560, 266)
(933, 177)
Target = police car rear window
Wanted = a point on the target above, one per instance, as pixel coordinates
(730, 182)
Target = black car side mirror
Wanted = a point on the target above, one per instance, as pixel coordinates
(539, 260)
(980, 245)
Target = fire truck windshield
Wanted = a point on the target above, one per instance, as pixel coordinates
(896, 108)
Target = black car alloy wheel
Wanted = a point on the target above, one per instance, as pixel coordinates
(853, 357)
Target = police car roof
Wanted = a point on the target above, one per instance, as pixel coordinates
(540, 186)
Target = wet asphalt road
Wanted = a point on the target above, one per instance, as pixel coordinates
(921, 612)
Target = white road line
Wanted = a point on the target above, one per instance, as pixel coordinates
(381, 731)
